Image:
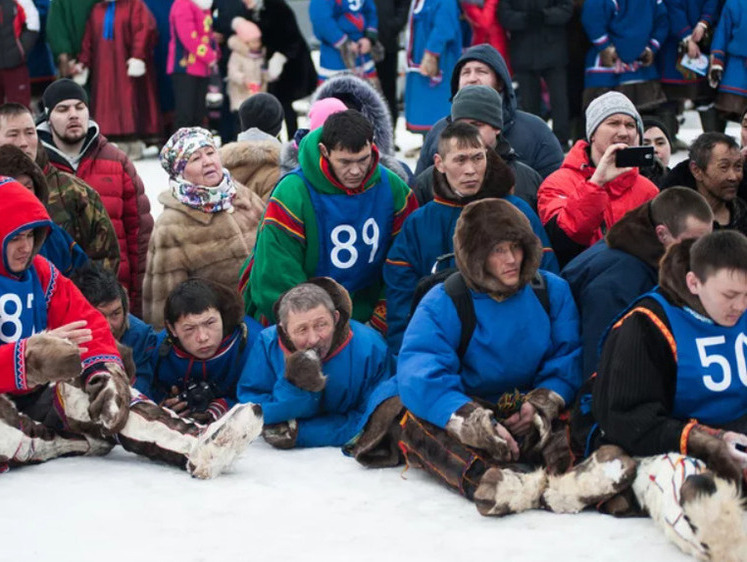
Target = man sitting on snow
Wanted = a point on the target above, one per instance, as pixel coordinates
(65, 389)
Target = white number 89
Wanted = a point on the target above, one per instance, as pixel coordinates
(369, 235)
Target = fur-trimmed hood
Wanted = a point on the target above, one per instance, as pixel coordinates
(482, 225)
(498, 182)
(342, 303)
(14, 163)
(635, 234)
(672, 271)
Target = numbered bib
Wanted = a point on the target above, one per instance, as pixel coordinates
(22, 307)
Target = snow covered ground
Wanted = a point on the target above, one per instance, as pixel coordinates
(303, 505)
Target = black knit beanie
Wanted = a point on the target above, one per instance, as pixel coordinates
(262, 111)
(61, 90)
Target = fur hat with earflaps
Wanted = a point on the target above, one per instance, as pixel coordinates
(481, 226)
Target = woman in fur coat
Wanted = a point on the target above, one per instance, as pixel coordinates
(208, 226)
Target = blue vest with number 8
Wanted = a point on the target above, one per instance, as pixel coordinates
(355, 232)
(711, 366)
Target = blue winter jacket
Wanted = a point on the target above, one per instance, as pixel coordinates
(531, 138)
(683, 17)
(142, 339)
(172, 366)
(515, 345)
(427, 234)
(604, 281)
(64, 252)
(355, 373)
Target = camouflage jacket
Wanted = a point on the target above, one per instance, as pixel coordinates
(78, 209)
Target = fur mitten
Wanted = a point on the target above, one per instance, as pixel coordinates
(281, 435)
(556, 452)
(547, 405)
(475, 426)
(349, 54)
(50, 358)
(304, 370)
(715, 452)
(109, 393)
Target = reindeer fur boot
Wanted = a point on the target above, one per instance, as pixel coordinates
(224, 440)
(605, 473)
(507, 490)
(699, 512)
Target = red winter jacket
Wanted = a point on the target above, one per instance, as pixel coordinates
(107, 169)
(576, 212)
(62, 303)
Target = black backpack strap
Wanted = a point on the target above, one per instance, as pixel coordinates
(163, 350)
(457, 289)
(539, 286)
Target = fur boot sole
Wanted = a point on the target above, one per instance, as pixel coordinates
(223, 441)
(699, 512)
(503, 491)
(605, 473)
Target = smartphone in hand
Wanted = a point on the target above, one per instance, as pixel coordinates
(635, 157)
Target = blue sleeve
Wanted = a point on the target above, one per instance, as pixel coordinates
(324, 22)
(280, 400)
(595, 17)
(370, 17)
(679, 26)
(722, 35)
(548, 154)
(661, 26)
(143, 355)
(561, 366)
(446, 27)
(78, 257)
(144, 381)
(428, 366)
(710, 11)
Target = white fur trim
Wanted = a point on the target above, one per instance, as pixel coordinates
(515, 491)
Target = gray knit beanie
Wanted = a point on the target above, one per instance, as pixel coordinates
(480, 103)
(609, 104)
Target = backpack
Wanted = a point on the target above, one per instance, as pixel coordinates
(457, 289)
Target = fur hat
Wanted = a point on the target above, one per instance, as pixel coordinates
(246, 30)
(482, 225)
(607, 105)
(14, 163)
(673, 269)
(323, 108)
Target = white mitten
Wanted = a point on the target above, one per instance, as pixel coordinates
(135, 68)
(80, 74)
(275, 66)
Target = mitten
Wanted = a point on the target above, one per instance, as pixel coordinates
(429, 65)
(475, 426)
(349, 54)
(647, 57)
(275, 66)
(715, 73)
(109, 393)
(707, 446)
(281, 435)
(80, 74)
(135, 68)
(50, 358)
(556, 452)
(304, 370)
(608, 56)
(547, 405)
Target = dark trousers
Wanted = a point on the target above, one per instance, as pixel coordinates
(189, 97)
(387, 71)
(531, 97)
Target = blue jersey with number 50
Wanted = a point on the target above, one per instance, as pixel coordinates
(355, 232)
(711, 365)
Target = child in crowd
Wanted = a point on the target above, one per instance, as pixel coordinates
(247, 73)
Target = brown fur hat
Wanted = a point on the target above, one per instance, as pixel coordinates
(498, 182)
(672, 271)
(482, 225)
(14, 163)
(342, 303)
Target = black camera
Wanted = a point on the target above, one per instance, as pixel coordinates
(198, 395)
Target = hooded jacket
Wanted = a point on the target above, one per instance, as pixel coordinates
(244, 69)
(44, 298)
(634, 392)
(576, 212)
(288, 247)
(192, 48)
(253, 163)
(107, 169)
(428, 233)
(611, 274)
(516, 344)
(174, 366)
(531, 138)
(188, 242)
(356, 366)
(357, 94)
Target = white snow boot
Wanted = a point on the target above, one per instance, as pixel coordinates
(698, 511)
(606, 472)
(224, 440)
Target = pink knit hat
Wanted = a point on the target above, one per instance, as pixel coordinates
(246, 30)
(321, 109)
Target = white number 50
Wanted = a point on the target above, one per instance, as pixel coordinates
(707, 360)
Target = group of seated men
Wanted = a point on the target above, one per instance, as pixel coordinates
(480, 366)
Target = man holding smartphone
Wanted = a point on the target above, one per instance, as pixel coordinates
(590, 192)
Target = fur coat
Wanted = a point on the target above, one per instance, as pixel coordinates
(255, 164)
(187, 242)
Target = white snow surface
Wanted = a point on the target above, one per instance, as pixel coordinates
(303, 505)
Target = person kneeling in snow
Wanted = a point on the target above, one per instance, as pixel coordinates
(488, 363)
(65, 391)
(671, 387)
(317, 374)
